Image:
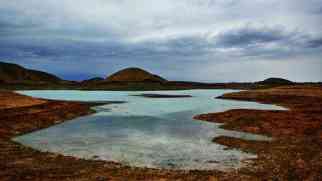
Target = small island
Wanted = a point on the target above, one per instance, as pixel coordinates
(162, 96)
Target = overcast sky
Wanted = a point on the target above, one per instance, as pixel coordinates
(197, 40)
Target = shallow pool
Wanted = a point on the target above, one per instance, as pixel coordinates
(145, 132)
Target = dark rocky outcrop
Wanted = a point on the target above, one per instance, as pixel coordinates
(92, 80)
(134, 75)
(163, 96)
(13, 73)
(275, 80)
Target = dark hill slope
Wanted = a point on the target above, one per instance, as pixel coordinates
(134, 75)
(93, 80)
(13, 73)
(274, 80)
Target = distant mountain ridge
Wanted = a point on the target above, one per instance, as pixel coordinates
(16, 77)
(92, 80)
(13, 73)
(134, 74)
(274, 80)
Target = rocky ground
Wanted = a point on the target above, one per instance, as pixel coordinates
(21, 114)
(294, 154)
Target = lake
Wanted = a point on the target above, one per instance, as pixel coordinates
(145, 132)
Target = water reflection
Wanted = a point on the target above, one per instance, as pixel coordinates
(157, 133)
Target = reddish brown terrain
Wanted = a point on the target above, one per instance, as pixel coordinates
(11, 100)
(294, 153)
(134, 75)
(21, 114)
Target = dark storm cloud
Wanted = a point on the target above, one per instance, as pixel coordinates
(250, 36)
(245, 41)
(317, 9)
(248, 41)
(259, 38)
(167, 36)
(265, 42)
(317, 43)
(13, 23)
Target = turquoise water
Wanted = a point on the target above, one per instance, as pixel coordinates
(145, 132)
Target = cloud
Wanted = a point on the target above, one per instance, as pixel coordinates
(157, 34)
(316, 43)
(144, 20)
(249, 36)
(274, 42)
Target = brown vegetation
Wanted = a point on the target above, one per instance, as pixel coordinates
(19, 163)
(295, 152)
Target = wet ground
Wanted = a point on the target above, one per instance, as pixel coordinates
(294, 154)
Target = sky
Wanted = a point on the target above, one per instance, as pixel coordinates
(190, 40)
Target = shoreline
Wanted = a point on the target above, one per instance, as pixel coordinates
(295, 151)
(18, 162)
(26, 163)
